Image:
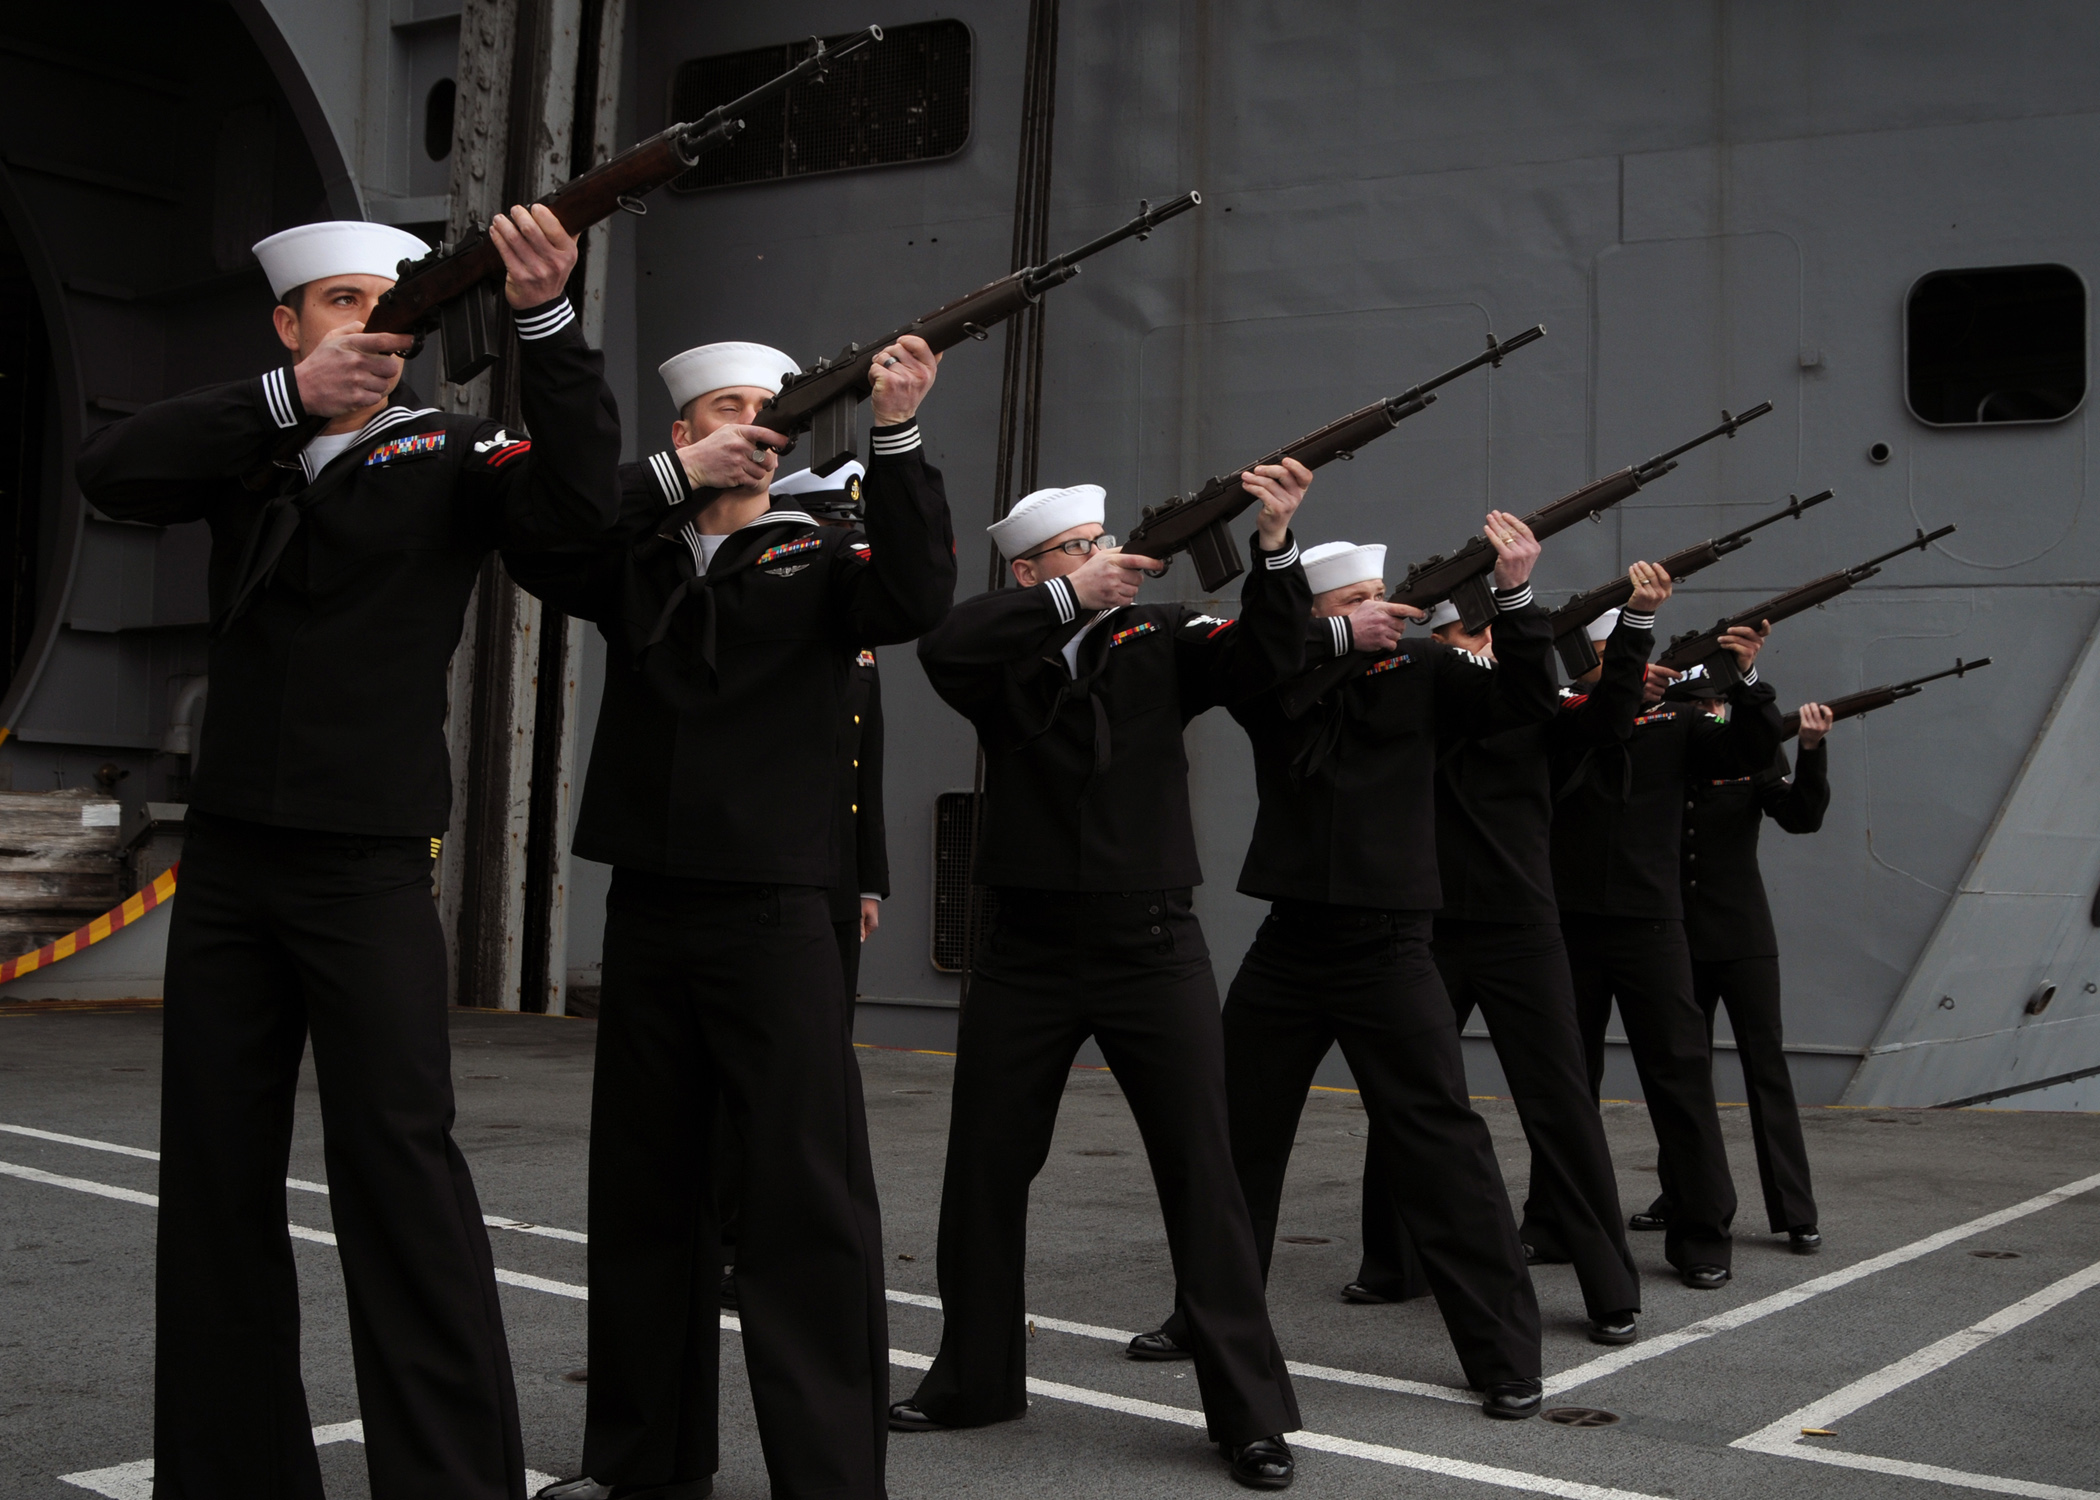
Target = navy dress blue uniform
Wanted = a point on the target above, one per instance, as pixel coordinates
(1090, 851)
(864, 859)
(1344, 848)
(1616, 854)
(711, 793)
(1735, 957)
(1498, 948)
(321, 785)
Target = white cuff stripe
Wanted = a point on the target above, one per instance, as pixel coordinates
(1750, 678)
(1344, 634)
(1638, 622)
(548, 323)
(666, 468)
(1066, 601)
(276, 398)
(1285, 559)
(1516, 598)
(890, 444)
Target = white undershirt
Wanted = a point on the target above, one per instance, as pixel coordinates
(709, 546)
(328, 447)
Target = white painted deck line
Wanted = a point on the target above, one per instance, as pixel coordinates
(297, 1185)
(1784, 1438)
(134, 1481)
(1750, 1312)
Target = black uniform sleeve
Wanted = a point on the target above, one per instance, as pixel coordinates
(1606, 714)
(1744, 744)
(556, 487)
(901, 584)
(1220, 662)
(967, 654)
(871, 842)
(168, 463)
(595, 580)
(1798, 805)
(1472, 703)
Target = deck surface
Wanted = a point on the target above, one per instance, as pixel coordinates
(1939, 1370)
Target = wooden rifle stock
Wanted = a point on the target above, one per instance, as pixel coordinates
(1462, 577)
(1570, 622)
(824, 399)
(1852, 705)
(1703, 648)
(1200, 524)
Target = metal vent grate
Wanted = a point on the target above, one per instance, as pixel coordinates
(906, 99)
(951, 881)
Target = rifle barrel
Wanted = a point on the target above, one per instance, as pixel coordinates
(1148, 219)
(1917, 543)
(1727, 428)
(1495, 350)
(1794, 507)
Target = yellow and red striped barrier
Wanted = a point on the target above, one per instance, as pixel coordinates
(135, 906)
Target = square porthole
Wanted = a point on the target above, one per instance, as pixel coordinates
(1995, 344)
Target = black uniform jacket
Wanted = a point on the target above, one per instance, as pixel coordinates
(1348, 812)
(723, 727)
(1725, 911)
(1619, 805)
(1494, 801)
(864, 856)
(329, 663)
(1086, 778)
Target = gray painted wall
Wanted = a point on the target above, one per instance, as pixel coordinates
(1706, 204)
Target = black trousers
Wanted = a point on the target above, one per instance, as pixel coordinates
(1318, 975)
(847, 936)
(731, 994)
(1131, 970)
(1749, 987)
(1646, 966)
(278, 933)
(1517, 976)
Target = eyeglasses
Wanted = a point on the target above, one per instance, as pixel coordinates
(1079, 546)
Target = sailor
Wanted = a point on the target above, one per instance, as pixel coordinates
(1735, 959)
(1344, 850)
(729, 652)
(863, 882)
(1498, 946)
(1616, 845)
(1079, 695)
(339, 587)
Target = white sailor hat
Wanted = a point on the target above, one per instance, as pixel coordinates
(1334, 565)
(336, 247)
(1444, 614)
(833, 494)
(711, 367)
(1603, 625)
(1038, 517)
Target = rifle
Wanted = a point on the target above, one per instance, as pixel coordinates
(1572, 640)
(1702, 648)
(1201, 523)
(1462, 577)
(457, 292)
(824, 398)
(1852, 705)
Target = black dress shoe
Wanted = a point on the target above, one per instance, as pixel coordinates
(1264, 1464)
(1534, 1256)
(729, 1303)
(904, 1417)
(1705, 1278)
(1158, 1344)
(677, 1489)
(1357, 1292)
(1513, 1400)
(1616, 1328)
(1804, 1239)
(1649, 1221)
(580, 1487)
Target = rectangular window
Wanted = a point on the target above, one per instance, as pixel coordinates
(905, 99)
(1995, 344)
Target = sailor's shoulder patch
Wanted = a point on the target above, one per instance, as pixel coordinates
(1208, 625)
